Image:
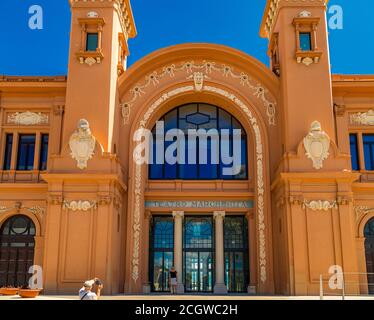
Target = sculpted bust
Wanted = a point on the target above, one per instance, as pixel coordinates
(317, 145)
(82, 144)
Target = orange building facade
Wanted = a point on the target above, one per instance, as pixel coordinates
(74, 201)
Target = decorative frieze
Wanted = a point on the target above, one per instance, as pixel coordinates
(82, 144)
(363, 118)
(198, 73)
(79, 205)
(320, 205)
(317, 145)
(28, 118)
(35, 210)
(199, 204)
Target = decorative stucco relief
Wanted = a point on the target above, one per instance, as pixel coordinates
(28, 118)
(18, 206)
(320, 205)
(198, 73)
(79, 205)
(363, 118)
(82, 144)
(260, 191)
(317, 145)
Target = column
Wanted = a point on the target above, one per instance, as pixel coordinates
(219, 286)
(178, 248)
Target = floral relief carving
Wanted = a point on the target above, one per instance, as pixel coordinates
(363, 118)
(82, 144)
(79, 205)
(320, 205)
(35, 210)
(28, 118)
(317, 145)
(199, 72)
(260, 191)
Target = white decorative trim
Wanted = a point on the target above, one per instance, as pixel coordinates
(92, 14)
(90, 61)
(206, 67)
(28, 118)
(320, 205)
(79, 205)
(259, 169)
(305, 14)
(82, 144)
(18, 206)
(363, 118)
(317, 145)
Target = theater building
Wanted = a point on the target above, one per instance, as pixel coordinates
(74, 201)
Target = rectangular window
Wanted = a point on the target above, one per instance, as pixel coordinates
(354, 151)
(8, 151)
(26, 151)
(305, 41)
(92, 41)
(369, 151)
(43, 152)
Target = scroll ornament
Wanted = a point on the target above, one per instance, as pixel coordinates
(82, 144)
(317, 145)
(80, 205)
(320, 205)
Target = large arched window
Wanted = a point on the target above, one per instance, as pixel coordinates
(230, 144)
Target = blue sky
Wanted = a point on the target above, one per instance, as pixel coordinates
(163, 23)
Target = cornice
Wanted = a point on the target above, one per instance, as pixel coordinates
(123, 8)
(274, 6)
(5, 78)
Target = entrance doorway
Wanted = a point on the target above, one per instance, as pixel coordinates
(161, 253)
(16, 250)
(236, 253)
(369, 253)
(198, 252)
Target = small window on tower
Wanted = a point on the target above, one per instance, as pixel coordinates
(305, 41)
(92, 41)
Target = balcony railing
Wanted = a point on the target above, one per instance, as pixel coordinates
(346, 284)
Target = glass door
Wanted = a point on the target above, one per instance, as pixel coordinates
(198, 254)
(236, 253)
(161, 253)
(162, 263)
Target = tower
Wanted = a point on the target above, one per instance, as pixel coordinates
(299, 52)
(98, 53)
(86, 191)
(312, 190)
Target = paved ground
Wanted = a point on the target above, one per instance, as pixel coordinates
(192, 297)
